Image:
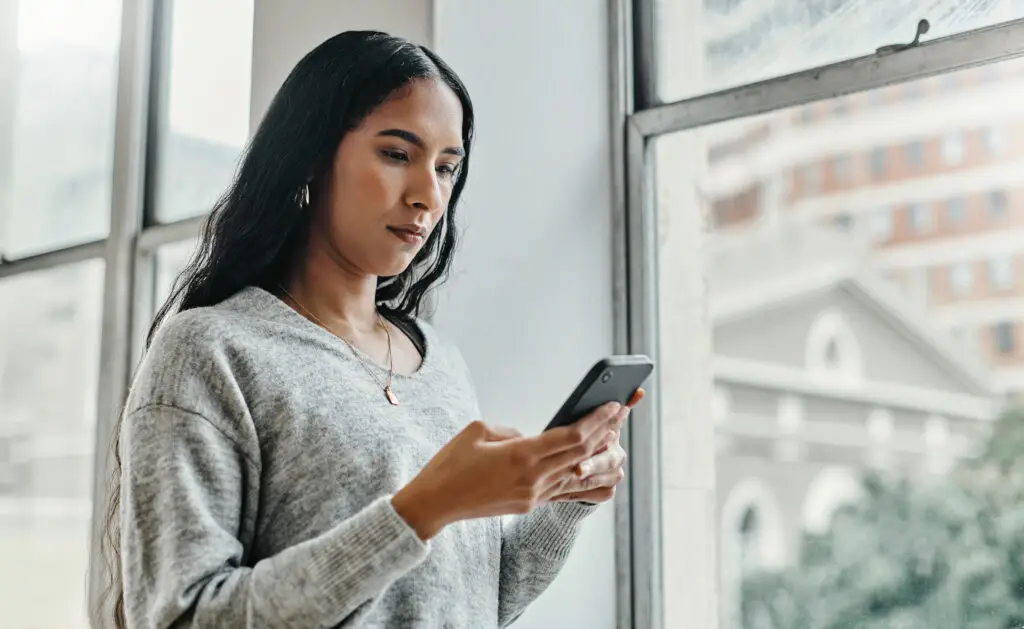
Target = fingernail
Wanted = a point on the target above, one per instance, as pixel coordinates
(585, 469)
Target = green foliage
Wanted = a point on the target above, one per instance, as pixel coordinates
(947, 555)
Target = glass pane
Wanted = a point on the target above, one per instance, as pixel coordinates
(170, 260)
(848, 312)
(709, 45)
(58, 83)
(49, 371)
(204, 120)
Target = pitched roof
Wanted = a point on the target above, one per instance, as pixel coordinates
(763, 267)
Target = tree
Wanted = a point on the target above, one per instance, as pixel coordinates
(909, 555)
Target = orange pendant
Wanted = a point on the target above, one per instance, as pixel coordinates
(391, 396)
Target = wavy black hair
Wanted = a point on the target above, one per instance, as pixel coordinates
(257, 231)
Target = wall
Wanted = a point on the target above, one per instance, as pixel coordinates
(530, 303)
(530, 300)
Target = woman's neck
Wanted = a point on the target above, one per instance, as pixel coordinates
(338, 297)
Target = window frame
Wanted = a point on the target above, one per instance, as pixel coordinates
(638, 119)
(128, 248)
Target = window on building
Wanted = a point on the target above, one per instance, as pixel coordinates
(956, 210)
(881, 225)
(1000, 272)
(842, 168)
(953, 148)
(810, 176)
(879, 161)
(997, 203)
(920, 217)
(1004, 337)
(961, 277)
(914, 151)
(994, 139)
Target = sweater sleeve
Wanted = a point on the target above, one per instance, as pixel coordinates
(534, 548)
(184, 486)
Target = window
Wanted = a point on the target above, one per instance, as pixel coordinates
(956, 210)
(997, 203)
(1000, 272)
(915, 152)
(774, 283)
(1004, 337)
(811, 177)
(202, 136)
(49, 372)
(881, 225)
(953, 148)
(57, 89)
(920, 217)
(842, 167)
(878, 161)
(832, 351)
(994, 139)
(170, 260)
(707, 46)
(961, 278)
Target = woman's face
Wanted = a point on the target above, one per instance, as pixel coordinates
(391, 181)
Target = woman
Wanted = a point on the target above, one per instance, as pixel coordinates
(299, 449)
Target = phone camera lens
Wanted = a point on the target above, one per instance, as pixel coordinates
(606, 376)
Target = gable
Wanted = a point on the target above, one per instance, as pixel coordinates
(778, 334)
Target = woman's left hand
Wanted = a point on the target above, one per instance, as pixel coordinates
(594, 480)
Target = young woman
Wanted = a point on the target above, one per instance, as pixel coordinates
(298, 448)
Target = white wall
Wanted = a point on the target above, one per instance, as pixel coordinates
(284, 31)
(530, 301)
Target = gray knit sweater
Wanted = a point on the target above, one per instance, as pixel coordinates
(259, 461)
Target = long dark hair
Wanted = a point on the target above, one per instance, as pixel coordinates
(257, 230)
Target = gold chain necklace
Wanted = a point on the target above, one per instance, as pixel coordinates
(388, 393)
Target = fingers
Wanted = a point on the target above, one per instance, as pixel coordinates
(596, 489)
(609, 460)
(558, 440)
(566, 460)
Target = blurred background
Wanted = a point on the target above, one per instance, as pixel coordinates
(821, 245)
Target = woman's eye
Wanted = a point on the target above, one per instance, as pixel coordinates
(447, 170)
(396, 155)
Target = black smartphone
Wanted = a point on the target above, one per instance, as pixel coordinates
(612, 379)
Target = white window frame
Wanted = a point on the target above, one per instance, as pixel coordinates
(642, 117)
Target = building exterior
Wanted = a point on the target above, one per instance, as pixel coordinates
(821, 371)
(917, 173)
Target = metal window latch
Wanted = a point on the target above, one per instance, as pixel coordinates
(922, 28)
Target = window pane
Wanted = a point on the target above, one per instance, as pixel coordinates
(204, 119)
(49, 360)
(170, 260)
(829, 307)
(58, 83)
(708, 45)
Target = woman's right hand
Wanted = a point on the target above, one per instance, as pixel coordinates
(488, 471)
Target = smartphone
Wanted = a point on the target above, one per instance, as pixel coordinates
(612, 379)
